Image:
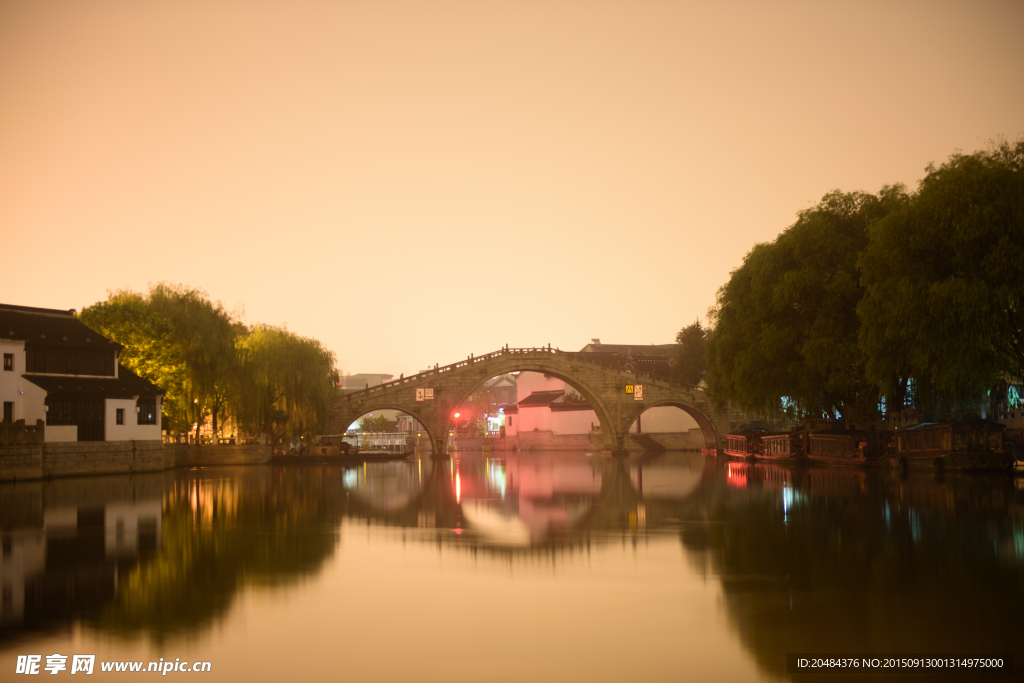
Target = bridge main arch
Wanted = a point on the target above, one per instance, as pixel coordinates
(589, 393)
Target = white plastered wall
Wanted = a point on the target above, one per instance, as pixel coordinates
(33, 402)
(574, 421)
(131, 430)
(10, 382)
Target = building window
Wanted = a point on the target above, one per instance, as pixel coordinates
(8, 411)
(9, 362)
(120, 416)
(147, 411)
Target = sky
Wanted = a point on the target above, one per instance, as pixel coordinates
(411, 182)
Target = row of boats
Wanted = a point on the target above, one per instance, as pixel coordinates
(966, 445)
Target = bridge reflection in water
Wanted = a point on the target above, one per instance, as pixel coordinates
(806, 560)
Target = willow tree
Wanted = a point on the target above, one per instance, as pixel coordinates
(204, 337)
(284, 383)
(944, 280)
(785, 327)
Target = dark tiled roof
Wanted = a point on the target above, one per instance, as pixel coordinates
(126, 385)
(566, 407)
(541, 398)
(50, 327)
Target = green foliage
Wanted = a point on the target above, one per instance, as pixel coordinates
(785, 325)
(377, 423)
(691, 354)
(128, 318)
(272, 381)
(571, 396)
(284, 383)
(944, 280)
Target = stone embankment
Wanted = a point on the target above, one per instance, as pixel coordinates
(21, 462)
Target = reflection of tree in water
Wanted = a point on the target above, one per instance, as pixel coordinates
(894, 566)
(221, 535)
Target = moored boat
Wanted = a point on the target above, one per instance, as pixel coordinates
(846, 447)
(965, 445)
(743, 445)
(783, 448)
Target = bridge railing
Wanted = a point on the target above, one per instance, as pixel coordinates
(440, 371)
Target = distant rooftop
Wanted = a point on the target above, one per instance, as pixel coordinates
(541, 398)
(595, 346)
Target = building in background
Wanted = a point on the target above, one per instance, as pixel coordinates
(363, 380)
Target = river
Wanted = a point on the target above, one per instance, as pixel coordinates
(535, 566)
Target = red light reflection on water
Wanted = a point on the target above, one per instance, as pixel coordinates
(736, 475)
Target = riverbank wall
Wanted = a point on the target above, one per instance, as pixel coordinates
(186, 455)
(78, 458)
(593, 442)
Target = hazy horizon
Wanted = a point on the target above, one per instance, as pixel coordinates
(414, 182)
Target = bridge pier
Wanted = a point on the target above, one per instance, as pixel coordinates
(619, 446)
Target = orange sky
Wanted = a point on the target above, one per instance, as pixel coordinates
(410, 182)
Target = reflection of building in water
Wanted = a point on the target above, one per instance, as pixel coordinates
(63, 558)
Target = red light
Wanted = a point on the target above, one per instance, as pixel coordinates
(456, 414)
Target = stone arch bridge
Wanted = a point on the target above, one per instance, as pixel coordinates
(602, 385)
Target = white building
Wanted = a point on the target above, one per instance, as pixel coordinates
(57, 370)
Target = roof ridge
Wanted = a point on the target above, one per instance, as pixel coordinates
(56, 312)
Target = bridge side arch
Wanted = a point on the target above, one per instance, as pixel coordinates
(712, 437)
(367, 407)
(608, 428)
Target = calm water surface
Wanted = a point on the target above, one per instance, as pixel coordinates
(556, 566)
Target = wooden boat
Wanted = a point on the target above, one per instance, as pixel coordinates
(783, 448)
(743, 445)
(966, 445)
(846, 447)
